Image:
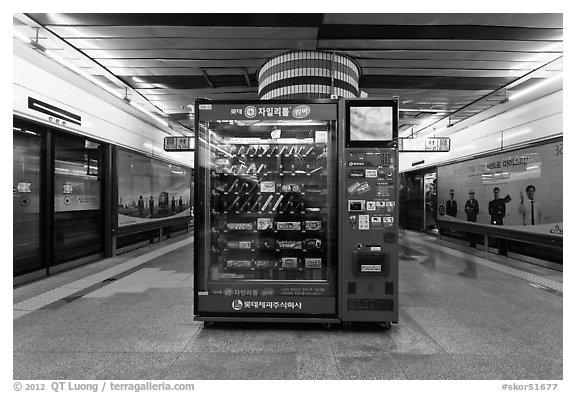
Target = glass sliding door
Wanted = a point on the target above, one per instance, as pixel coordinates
(26, 202)
(77, 198)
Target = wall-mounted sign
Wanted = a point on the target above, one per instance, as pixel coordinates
(55, 114)
(266, 111)
(438, 144)
(435, 144)
(178, 143)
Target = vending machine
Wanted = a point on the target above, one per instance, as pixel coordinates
(295, 211)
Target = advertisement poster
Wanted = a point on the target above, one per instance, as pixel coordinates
(150, 189)
(528, 185)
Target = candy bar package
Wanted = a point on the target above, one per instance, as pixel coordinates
(313, 244)
(244, 263)
(267, 186)
(264, 223)
(262, 263)
(241, 244)
(289, 263)
(240, 226)
(289, 226)
(313, 263)
(289, 244)
(313, 225)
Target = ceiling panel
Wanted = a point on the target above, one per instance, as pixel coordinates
(542, 20)
(447, 64)
(171, 31)
(423, 44)
(438, 32)
(180, 19)
(140, 49)
(443, 72)
(170, 71)
(168, 43)
(549, 52)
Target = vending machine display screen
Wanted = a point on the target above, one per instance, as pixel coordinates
(371, 123)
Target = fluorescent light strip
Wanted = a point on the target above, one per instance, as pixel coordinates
(535, 87)
(83, 73)
(147, 112)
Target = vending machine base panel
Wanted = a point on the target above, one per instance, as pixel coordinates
(268, 319)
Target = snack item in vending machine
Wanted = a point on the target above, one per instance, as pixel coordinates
(291, 188)
(251, 168)
(313, 225)
(264, 223)
(239, 244)
(242, 169)
(231, 244)
(313, 244)
(264, 263)
(240, 226)
(267, 186)
(313, 263)
(223, 162)
(289, 226)
(277, 202)
(267, 203)
(289, 263)
(243, 263)
(289, 244)
(266, 244)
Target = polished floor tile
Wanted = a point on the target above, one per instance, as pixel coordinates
(135, 320)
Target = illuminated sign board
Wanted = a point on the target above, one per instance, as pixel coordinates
(178, 143)
(434, 144)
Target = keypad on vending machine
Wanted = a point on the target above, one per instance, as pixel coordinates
(386, 159)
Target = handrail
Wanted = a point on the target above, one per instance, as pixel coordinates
(151, 225)
(502, 232)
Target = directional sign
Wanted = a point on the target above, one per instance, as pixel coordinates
(178, 143)
(438, 144)
(429, 144)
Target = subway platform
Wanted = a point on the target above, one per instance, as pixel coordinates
(464, 315)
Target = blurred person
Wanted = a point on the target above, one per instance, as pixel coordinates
(469, 269)
(497, 210)
(140, 207)
(151, 205)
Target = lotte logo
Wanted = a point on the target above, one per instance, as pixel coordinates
(250, 112)
(237, 304)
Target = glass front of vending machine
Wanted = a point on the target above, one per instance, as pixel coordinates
(265, 211)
